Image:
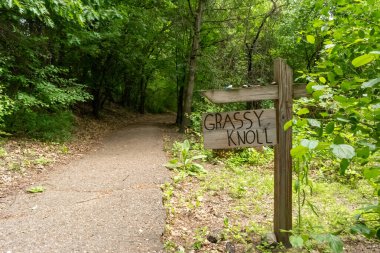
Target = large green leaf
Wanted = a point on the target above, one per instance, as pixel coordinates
(296, 241)
(173, 164)
(310, 144)
(343, 166)
(335, 244)
(330, 127)
(314, 122)
(303, 111)
(298, 151)
(370, 83)
(338, 70)
(198, 157)
(361, 228)
(371, 173)
(343, 151)
(196, 167)
(362, 60)
(322, 79)
(363, 152)
(310, 39)
(288, 124)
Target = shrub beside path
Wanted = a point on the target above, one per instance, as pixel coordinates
(107, 201)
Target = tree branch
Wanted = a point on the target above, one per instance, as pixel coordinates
(270, 13)
(190, 8)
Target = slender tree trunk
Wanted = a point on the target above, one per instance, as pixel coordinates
(251, 51)
(142, 95)
(250, 64)
(180, 80)
(96, 104)
(179, 105)
(179, 95)
(192, 66)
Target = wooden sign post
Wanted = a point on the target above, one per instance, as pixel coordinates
(282, 220)
(261, 128)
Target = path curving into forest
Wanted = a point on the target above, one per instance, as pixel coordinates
(107, 201)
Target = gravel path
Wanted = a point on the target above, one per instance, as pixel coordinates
(107, 201)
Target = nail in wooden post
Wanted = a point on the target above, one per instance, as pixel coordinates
(283, 76)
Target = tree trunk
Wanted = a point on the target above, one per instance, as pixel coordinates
(96, 104)
(142, 95)
(251, 51)
(179, 105)
(192, 66)
(125, 98)
(250, 64)
(180, 81)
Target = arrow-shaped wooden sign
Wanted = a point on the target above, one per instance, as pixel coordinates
(253, 93)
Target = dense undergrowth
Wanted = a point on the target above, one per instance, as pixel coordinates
(244, 181)
(228, 199)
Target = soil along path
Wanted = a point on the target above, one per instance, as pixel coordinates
(107, 201)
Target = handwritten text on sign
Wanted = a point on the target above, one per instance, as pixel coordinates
(239, 129)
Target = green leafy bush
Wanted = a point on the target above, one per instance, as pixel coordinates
(45, 126)
(250, 156)
(340, 121)
(37, 105)
(185, 160)
(6, 107)
(161, 96)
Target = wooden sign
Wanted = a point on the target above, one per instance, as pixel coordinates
(239, 129)
(254, 93)
(258, 128)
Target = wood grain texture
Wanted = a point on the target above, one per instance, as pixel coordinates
(283, 75)
(254, 93)
(242, 94)
(238, 129)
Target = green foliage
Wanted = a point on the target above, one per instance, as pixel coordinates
(184, 159)
(33, 80)
(50, 91)
(6, 107)
(36, 189)
(245, 178)
(42, 161)
(250, 157)
(55, 127)
(296, 241)
(334, 242)
(3, 152)
(161, 96)
(167, 189)
(46, 11)
(200, 237)
(345, 91)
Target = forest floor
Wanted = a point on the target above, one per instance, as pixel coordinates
(98, 193)
(230, 208)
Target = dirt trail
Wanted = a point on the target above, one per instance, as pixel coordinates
(107, 201)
